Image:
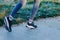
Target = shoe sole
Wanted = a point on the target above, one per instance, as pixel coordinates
(31, 27)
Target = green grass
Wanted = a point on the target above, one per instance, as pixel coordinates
(46, 9)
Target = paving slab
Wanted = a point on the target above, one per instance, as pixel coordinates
(48, 29)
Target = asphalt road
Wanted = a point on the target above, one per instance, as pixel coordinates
(48, 29)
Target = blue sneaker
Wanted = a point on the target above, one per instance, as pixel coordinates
(7, 24)
(31, 25)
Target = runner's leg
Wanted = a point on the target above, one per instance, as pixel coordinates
(34, 10)
(7, 20)
(17, 7)
(31, 24)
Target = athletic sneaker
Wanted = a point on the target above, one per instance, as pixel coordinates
(31, 25)
(7, 24)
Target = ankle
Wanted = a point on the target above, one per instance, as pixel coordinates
(30, 21)
(10, 17)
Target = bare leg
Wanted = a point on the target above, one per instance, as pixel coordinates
(31, 24)
(34, 10)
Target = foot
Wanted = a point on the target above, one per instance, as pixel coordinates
(7, 24)
(31, 25)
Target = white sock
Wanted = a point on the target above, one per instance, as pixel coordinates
(10, 18)
(30, 21)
